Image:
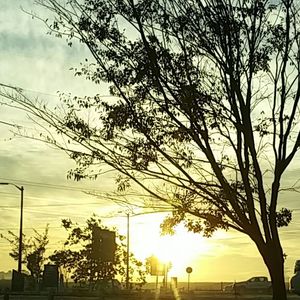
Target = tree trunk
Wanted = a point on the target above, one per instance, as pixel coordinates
(278, 286)
(274, 260)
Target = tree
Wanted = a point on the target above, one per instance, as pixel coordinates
(205, 114)
(78, 256)
(33, 250)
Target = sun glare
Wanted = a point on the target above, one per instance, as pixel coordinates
(180, 249)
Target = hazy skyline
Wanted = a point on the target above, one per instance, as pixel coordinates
(40, 64)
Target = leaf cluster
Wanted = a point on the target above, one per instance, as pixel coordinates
(33, 250)
(78, 257)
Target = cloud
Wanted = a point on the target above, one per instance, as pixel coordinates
(26, 50)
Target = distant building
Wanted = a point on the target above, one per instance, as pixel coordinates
(5, 275)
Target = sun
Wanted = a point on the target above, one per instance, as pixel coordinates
(180, 249)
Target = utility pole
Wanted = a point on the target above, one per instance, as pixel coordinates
(21, 231)
(21, 189)
(127, 257)
(128, 240)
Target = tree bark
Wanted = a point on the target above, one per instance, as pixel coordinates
(274, 260)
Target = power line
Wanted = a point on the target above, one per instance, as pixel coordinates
(49, 185)
(31, 228)
(42, 93)
(47, 205)
(28, 206)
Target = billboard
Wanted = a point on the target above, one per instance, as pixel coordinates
(17, 283)
(103, 244)
(50, 276)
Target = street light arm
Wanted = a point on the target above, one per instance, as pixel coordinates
(20, 188)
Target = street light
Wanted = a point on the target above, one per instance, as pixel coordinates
(128, 215)
(127, 256)
(20, 188)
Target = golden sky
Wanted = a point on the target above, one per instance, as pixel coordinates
(40, 64)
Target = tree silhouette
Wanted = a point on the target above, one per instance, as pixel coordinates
(78, 257)
(205, 114)
(33, 250)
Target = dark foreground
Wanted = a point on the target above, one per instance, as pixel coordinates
(143, 295)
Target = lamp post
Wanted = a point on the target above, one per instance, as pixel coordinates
(21, 189)
(127, 256)
(128, 215)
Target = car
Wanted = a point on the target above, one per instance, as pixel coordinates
(257, 284)
(297, 266)
(228, 288)
(295, 280)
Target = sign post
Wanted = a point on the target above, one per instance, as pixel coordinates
(189, 270)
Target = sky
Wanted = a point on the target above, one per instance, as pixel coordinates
(40, 64)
